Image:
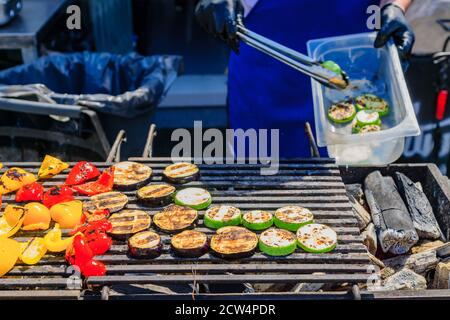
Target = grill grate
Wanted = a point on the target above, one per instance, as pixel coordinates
(312, 183)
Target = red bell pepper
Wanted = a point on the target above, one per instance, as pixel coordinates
(104, 184)
(30, 192)
(93, 268)
(57, 195)
(101, 225)
(80, 255)
(82, 171)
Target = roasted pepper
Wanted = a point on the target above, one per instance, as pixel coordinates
(104, 184)
(15, 178)
(9, 253)
(96, 235)
(67, 214)
(57, 195)
(82, 172)
(8, 230)
(37, 217)
(80, 254)
(54, 242)
(30, 192)
(33, 251)
(50, 167)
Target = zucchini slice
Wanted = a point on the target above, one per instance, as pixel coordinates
(112, 201)
(128, 222)
(222, 216)
(182, 172)
(257, 220)
(156, 194)
(131, 175)
(146, 244)
(175, 218)
(366, 117)
(190, 244)
(195, 198)
(332, 66)
(316, 238)
(277, 242)
(370, 128)
(292, 217)
(234, 243)
(372, 103)
(342, 112)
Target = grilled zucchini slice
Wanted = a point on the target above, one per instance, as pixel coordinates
(190, 244)
(146, 244)
(277, 242)
(128, 222)
(234, 243)
(182, 172)
(112, 201)
(195, 198)
(175, 218)
(156, 194)
(292, 217)
(342, 112)
(365, 118)
(257, 220)
(316, 238)
(131, 175)
(222, 216)
(372, 103)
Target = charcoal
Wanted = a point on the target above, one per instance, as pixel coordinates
(393, 223)
(419, 208)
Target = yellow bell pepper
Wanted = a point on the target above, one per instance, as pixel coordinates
(8, 230)
(50, 167)
(67, 214)
(37, 217)
(9, 253)
(15, 178)
(54, 242)
(33, 251)
(1, 165)
(14, 213)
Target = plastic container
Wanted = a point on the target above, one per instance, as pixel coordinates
(376, 71)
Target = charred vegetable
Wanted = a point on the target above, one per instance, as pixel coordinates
(365, 118)
(316, 238)
(342, 112)
(257, 220)
(175, 218)
(181, 173)
(292, 217)
(277, 242)
(234, 242)
(371, 102)
(190, 243)
(131, 175)
(364, 129)
(146, 244)
(156, 194)
(128, 222)
(195, 198)
(222, 216)
(112, 201)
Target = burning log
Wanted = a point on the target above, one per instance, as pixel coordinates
(361, 214)
(419, 207)
(390, 216)
(419, 262)
(370, 238)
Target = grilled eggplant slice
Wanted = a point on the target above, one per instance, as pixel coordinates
(257, 220)
(292, 217)
(342, 112)
(277, 242)
(234, 242)
(222, 216)
(112, 201)
(146, 244)
(175, 218)
(128, 222)
(131, 175)
(182, 172)
(190, 243)
(195, 198)
(316, 238)
(156, 194)
(373, 103)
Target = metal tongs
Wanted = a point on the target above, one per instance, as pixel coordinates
(292, 58)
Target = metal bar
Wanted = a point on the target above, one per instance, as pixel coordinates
(114, 153)
(40, 108)
(312, 142)
(148, 149)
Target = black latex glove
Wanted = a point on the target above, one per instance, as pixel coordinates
(219, 17)
(394, 24)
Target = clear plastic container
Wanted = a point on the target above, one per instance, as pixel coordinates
(376, 71)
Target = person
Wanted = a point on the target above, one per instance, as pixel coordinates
(266, 94)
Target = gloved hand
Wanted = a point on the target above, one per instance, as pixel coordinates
(219, 17)
(394, 24)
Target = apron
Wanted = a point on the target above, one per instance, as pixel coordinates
(266, 94)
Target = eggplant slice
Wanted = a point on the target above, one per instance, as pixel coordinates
(190, 243)
(234, 243)
(175, 218)
(156, 194)
(131, 175)
(128, 222)
(181, 173)
(112, 201)
(146, 244)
